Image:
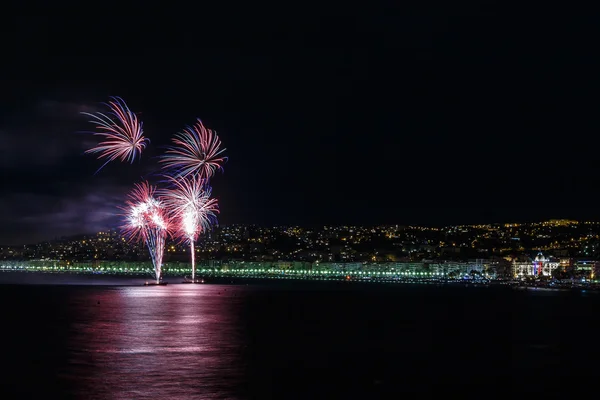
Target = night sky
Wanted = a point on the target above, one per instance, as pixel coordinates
(330, 117)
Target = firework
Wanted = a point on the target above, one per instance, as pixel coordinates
(192, 209)
(147, 221)
(196, 150)
(123, 136)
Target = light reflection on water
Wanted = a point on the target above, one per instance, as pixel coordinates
(280, 341)
(173, 342)
(152, 350)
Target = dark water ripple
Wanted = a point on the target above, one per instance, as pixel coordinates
(300, 341)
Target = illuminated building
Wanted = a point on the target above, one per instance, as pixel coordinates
(588, 267)
(540, 266)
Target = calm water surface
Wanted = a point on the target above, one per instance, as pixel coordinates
(300, 341)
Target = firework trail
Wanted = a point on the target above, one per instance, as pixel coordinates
(123, 136)
(191, 208)
(196, 150)
(148, 221)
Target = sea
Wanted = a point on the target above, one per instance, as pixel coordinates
(294, 340)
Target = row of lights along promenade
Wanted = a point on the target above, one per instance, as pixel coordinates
(468, 273)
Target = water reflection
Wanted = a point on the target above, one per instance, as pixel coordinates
(268, 342)
(175, 342)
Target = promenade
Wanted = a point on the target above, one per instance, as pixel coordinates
(412, 273)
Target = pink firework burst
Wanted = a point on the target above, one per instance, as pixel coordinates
(197, 150)
(147, 221)
(122, 132)
(191, 208)
(190, 205)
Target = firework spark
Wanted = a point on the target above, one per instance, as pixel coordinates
(196, 150)
(147, 221)
(192, 209)
(122, 132)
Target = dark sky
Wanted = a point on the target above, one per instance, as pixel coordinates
(421, 116)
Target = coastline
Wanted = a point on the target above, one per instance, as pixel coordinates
(101, 279)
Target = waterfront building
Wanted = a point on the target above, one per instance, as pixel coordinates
(339, 266)
(588, 267)
(539, 266)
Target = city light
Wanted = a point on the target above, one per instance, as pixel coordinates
(555, 250)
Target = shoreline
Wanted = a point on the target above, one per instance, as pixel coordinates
(100, 279)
